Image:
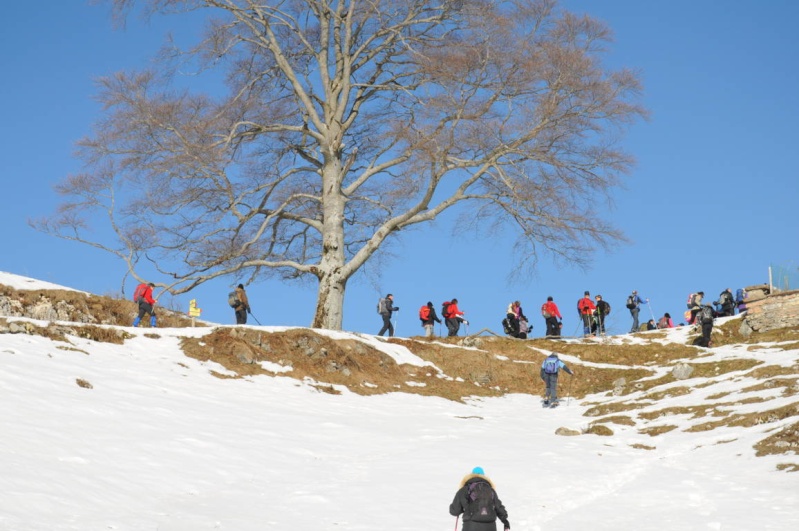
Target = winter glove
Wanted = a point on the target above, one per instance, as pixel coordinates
(507, 525)
(248, 310)
(396, 308)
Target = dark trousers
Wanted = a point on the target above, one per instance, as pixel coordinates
(707, 329)
(634, 313)
(453, 325)
(145, 308)
(241, 314)
(552, 326)
(386, 325)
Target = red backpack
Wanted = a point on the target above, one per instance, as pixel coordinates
(424, 313)
(445, 309)
(139, 293)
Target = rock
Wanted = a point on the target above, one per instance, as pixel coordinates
(682, 371)
(567, 432)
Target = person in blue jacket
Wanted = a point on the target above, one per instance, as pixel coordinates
(549, 373)
(634, 304)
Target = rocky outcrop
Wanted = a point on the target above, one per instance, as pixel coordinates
(778, 310)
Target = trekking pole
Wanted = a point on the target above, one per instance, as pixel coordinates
(256, 319)
(651, 312)
(569, 391)
(456, 522)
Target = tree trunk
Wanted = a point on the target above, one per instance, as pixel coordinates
(332, 273)
(330, 302)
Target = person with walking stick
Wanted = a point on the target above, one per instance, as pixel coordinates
(479, 504)
(549, 374)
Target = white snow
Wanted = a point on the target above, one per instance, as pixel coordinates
(159, 443)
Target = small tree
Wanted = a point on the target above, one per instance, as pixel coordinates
(343, 123)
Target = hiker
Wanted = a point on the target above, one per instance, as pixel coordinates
(726, 303)
(144, 297)
(549, 373)
(649, 325)
(513, 315)
(552, 317)
(740, 300)
(385, 307)
(452, 317)
(586, 308)
(524, 328)
(427, 314)
(241, 304)
(665, 321)
(602, 310)
(694, 305)
(705, 318)
(479, 504)
(634, 302)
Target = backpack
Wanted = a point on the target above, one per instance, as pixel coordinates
(233, 299)
(424, 313)
(139, 292)
(706, 314)
(691, 299)
(445, 309)
(551, 365)
(544, 311)
(481, 502)
(381, 306)
(725, 299)
(506, 326)
(740, 295)
(630, 302)
(663, 322)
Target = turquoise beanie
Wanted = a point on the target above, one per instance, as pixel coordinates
(478, 470)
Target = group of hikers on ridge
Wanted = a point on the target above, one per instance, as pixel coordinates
(592, 313)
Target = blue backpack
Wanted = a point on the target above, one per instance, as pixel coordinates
(739, 296)
(551, 365)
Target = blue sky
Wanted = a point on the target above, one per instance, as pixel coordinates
(709, 205)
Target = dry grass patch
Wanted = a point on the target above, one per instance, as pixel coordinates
(624, 420)
(654, 431)
(599, 429)
(640, 446)
(785, 440)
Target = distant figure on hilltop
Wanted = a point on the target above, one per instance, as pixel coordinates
(601, 312)
(143, 296)
(452, 317)
(479, 503)
(385, 307)
(427, 314)
(240, 303)
(586, 308)
(694, 305)
(552, 317)
(634, 302)
(665, 321)
(726, 303)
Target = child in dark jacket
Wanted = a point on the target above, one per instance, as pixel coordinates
(476, 516)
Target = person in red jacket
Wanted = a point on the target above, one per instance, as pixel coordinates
(453, 319)
(552, 317)
(586, 308)
(144, 297)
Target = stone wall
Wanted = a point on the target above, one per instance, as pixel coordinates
(778, 310)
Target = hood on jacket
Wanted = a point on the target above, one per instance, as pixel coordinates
(467, 477)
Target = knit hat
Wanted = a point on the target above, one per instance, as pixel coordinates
(587, 293)
(478, 470)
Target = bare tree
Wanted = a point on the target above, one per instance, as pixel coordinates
(336, 124)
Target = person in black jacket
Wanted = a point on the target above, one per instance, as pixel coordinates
(385, 309)
(429, 323)
(602, 310)
(479, 504)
